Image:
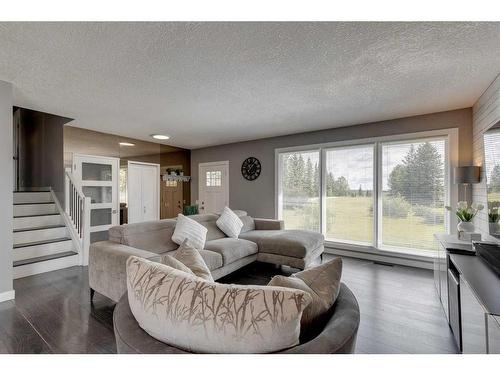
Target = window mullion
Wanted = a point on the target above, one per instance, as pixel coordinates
(322, 168)
(377, 196)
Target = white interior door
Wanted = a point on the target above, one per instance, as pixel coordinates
(213, 186)
(99, 179)
(143, 191)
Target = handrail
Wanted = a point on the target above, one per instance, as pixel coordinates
(77, 207)
(73, 180)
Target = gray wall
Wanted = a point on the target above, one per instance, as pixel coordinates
(257, 197)
(486, 115)
(6, 184)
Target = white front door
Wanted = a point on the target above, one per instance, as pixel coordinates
(143, 192)
(99, 179)
(213, 186)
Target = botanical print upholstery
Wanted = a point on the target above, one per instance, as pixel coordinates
(321, 282)
(193, 260)
(206, 317)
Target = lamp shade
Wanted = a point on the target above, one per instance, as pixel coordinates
(467, 175)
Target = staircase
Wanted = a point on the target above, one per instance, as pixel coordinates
(42, 241)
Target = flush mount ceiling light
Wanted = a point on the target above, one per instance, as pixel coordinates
(126, 144)
(160, 136)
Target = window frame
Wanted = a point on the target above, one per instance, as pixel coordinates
(323, 219)
(278, 181)
(451, 190)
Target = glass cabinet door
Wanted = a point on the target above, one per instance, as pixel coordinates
(99, 179)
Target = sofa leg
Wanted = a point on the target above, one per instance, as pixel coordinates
(92, 291)
(321, 258)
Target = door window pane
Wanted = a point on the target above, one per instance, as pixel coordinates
(98, 194)
(300, 190)
(123, 185)
(96, 172)
(214, 178)
(413, 193)
(100, 216)
(349, 194)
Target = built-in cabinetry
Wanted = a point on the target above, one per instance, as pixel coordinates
(473, 321)
(494, 334)
(441, 276)
(470, 293)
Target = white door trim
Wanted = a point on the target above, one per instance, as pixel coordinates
(210, 164)
(157, 167)
(75, 155)
(115, 219)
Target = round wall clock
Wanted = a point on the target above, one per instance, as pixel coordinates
(250, 169)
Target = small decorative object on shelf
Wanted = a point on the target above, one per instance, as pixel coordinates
(191, 210)
(465, 214)
(174, 177)
(494, 219)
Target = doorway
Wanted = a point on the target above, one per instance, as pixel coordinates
(99, 179)
(143, 191)
(213, 187)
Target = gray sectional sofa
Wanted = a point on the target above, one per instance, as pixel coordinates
(262, 240)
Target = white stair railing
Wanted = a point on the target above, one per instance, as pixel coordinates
(77, 207)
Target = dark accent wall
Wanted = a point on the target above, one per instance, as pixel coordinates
(83, 141)
(257, 197)
(6, 183)
(41, 154)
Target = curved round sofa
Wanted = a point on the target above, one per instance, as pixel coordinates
(337, 335)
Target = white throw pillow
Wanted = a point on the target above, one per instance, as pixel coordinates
(200, 316)
(229, 223)
(190, 230)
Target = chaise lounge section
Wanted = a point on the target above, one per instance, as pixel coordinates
(262, 240)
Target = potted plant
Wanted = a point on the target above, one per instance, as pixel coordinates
(465, 214)
(494, 219)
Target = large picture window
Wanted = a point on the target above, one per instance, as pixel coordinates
(300, 190)
(413, 193)
(386, 195)
(349, 194)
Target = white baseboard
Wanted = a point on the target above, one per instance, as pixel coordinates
(397, 260)
(7, 296)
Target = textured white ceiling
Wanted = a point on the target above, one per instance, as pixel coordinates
(212, 83)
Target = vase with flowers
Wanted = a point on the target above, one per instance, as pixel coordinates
(465, 213)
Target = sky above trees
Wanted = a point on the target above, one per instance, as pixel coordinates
(351, 168)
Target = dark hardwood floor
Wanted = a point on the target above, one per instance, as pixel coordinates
(400, 311)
